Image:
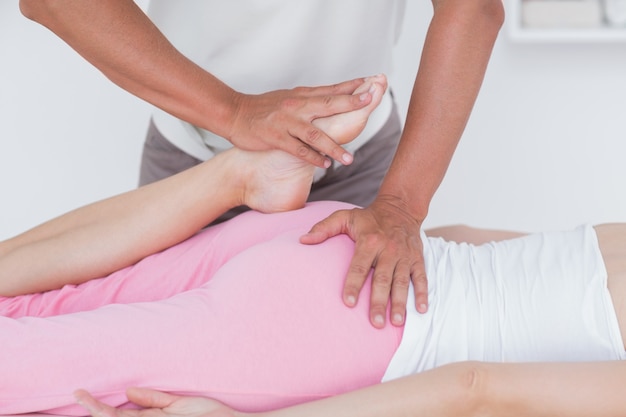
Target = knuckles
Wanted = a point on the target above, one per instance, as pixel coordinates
(382, 279)
(302, 151)
(360, 270)
(312, 136)
(290, 103)
(401, 280)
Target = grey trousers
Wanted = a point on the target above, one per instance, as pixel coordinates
(357, 183)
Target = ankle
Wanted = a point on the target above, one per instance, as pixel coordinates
(235, 178)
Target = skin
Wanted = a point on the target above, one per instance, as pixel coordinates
(461, 389)
(100, 238)
(458, 45)
(464, 389)
(118, 38)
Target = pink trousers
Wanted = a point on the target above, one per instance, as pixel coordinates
(241, 312)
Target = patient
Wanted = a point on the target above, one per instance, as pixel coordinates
(244, 313)
(272, 183)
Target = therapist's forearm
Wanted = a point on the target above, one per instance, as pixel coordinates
(120, 40)
(103, 237)
(454, 60)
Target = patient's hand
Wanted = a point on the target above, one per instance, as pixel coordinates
(157, 404)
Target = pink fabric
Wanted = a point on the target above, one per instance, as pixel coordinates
(241, 312)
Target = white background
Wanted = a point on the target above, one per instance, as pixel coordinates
(545, 147)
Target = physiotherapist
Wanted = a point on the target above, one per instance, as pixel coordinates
(255, 74)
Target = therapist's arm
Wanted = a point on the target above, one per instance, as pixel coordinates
(120, 40)
(454, 59)
(103, 237)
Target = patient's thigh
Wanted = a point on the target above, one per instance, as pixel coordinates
(180, 268)
(268, 330)
(291, 338)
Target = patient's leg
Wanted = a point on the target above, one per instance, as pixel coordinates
(283, 181)
(100, 238)
(182, 267)
(345, 127)
(269, 329)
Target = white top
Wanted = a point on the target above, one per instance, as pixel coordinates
(496, 302)
(255, 46)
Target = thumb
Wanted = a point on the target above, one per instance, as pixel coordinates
(149, 398)
(93, 406)
(333, 225)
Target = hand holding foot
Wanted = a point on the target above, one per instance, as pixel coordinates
(344, 127)
(284, 120)
(277, 181)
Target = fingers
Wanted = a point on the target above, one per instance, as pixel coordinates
(311, 143)
(342, 88)
(390, 283)
(420, 285)
(96, 408)
(396, 259)
(143, 397)
(284, 119)
(399, 293)
(149, 398)
(382, 280)
(360, 267)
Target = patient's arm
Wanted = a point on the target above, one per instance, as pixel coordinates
(462, 390)
(462, 233)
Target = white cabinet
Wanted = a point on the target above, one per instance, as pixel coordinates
(566, 20)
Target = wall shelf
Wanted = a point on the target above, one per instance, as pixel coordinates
(519, 33)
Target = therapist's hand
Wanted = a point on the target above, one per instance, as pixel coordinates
(387, 239)
(156, 404)
(283, 119)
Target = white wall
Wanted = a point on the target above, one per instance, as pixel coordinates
(68, 136)
(544, 148)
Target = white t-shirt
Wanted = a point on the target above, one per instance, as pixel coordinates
(256, 46)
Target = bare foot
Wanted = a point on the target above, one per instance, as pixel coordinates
(277, 181)
(345, 127)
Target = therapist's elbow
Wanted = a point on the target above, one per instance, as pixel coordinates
(488, 15)
(491, 12)
(39, 10)
(31, 8)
